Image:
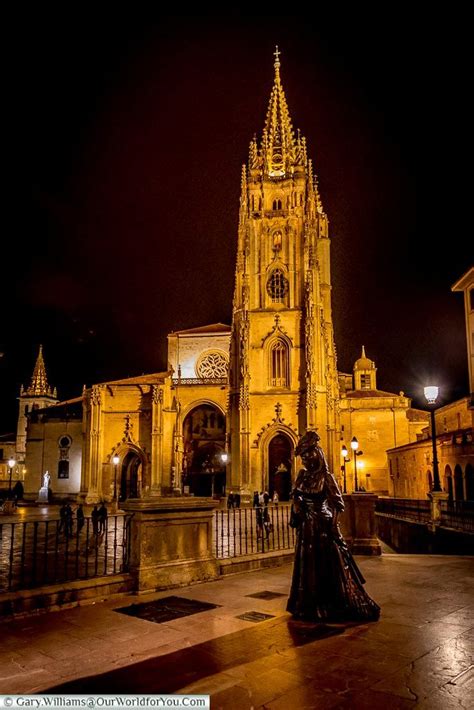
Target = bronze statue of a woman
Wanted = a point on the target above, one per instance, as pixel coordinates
(327, 585)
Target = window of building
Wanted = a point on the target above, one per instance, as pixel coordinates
(365, 382)
(276, 205)
(64, 444)
(63, 469)
(279, 365)
(277, 286)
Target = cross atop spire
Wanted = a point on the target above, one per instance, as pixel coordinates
(39, 382)
(276, 54)
(279, 150)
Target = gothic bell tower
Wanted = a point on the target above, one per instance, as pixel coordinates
(37, 396)
(283, 377)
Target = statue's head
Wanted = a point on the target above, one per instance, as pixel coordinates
(307, 442)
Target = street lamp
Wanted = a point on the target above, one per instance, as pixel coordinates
(431, 394)
(354, 447)
(224, 457)
(345, 460)
(11, 464)
(116, 461)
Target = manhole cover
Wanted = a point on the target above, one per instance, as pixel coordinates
(166, 609)
(266, 595)
(255, 616)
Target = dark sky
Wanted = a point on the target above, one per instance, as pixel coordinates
(124, 144)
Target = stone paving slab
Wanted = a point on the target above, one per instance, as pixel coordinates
(420, 653)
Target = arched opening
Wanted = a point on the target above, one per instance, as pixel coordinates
(204, 474)
(458, 487)
(469, 474)
(280, 453)
(448, 482)
(131, 478)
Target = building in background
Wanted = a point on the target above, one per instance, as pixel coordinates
(379, 420)
(227, 413)
(411, 466)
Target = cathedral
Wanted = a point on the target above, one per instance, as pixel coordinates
(227, 413)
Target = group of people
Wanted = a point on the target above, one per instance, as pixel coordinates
(233, 500)
(66, 519)
(260, 503)
(263, 499)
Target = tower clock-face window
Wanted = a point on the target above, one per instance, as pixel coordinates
(277, 286)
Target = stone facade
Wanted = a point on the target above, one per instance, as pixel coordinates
(379, 421)
(283, 376)
(227, 413)
(411, 466)
(466, 285)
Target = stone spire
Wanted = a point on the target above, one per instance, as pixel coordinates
(279, 146)
(39, 382)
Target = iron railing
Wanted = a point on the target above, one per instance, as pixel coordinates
(200, 380)
(38, 552)
(458, 515)
(405, 508)
(244, 531)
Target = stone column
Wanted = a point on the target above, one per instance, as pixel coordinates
(95, 434)
(436, 497)
(156, 487)
(358, 524)
(171, 542)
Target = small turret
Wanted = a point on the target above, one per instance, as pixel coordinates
(364, 373)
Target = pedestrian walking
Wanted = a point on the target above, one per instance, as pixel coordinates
(80, 518)
(69, 521)
(95, 520)
(102, 518)
(255, 499)
(276, 498)
(62, 518)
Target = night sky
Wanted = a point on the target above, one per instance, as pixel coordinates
(124, 144)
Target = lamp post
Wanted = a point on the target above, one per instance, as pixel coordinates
(11, 464)
(354, 447)
(345, 460)
(225, 460)
(116, 461)
(431, 394)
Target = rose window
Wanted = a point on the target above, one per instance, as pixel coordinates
(212, 365)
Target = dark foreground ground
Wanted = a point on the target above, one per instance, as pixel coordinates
(420, 653)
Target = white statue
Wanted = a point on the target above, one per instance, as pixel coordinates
(46, 479)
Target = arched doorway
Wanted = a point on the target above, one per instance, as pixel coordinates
(469, 474)
(204, 442)
(131, 478)
(458, 487)
(280, 453)
(448, 480)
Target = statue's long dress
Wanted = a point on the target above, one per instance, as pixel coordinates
(327, 585)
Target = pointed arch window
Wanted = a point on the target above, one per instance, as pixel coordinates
(279, 364)
(277, 286)
(276, 205)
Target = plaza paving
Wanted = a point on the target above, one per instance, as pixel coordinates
(420, 653)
